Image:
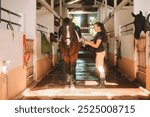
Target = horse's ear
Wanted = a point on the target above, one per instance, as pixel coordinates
(71, 17)
(141, 13)
(133, 14)
(148, 17)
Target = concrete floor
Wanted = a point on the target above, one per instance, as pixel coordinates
(53, 85)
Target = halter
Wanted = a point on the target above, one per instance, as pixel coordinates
(68, 40)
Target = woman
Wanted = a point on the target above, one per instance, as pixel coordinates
(99, 43)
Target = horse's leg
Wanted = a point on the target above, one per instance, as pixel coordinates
(72, 67)
(66, 60)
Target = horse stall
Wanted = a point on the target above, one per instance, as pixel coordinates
(126, 40)
(143, 73)
(111, 40)
(121, 41)
(44, 27)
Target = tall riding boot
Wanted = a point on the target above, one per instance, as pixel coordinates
(68, 78)
(102, 80)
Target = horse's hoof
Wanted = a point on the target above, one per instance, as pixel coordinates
(68, 78)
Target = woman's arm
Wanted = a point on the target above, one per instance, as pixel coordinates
(94, 45)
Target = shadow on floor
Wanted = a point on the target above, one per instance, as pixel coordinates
(53, 86)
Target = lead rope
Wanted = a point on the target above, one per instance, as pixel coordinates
(9, 26)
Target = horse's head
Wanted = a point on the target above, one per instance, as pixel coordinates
(139, 23)
(67, 31)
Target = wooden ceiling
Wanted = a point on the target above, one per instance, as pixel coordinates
(86, 5)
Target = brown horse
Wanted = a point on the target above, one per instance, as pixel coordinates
(69, 46)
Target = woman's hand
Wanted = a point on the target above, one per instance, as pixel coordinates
(86, 42)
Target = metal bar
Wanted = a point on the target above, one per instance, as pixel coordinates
(80, 6)
(126, 25)
(42, 26)
(84, 12)
(127, 30)
(42, 31)
(8, 11)
(110, 31)
(30, 67)
(30, 75)
(0, 11)
(3, 20)
(29, 40)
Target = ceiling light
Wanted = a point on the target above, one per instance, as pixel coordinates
(73, 1)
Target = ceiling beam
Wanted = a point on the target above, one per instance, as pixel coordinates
(103, 2)
(80, 6)
(60, 8)
(99, 3)
(130, 2)
(95, 1)
(82, 12)
(64, 3)
(48, 7)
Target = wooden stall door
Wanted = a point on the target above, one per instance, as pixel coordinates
(141, 53)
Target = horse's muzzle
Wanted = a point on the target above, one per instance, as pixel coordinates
(68, 42)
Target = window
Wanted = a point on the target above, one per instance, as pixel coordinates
(77, 20)
(92, 20)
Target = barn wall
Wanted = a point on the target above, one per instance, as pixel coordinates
(11, 47)
(126, 39)
(127, 43)
(109, 25)
(12, 50)
(44, 63)
(28, 9)
(64, 11)
(111, 55)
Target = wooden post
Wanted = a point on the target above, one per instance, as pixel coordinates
(115, 31)
(60, 7)
(0, 11)
(105, 8)
(95, 2)
(148, 60)
(52, 4)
